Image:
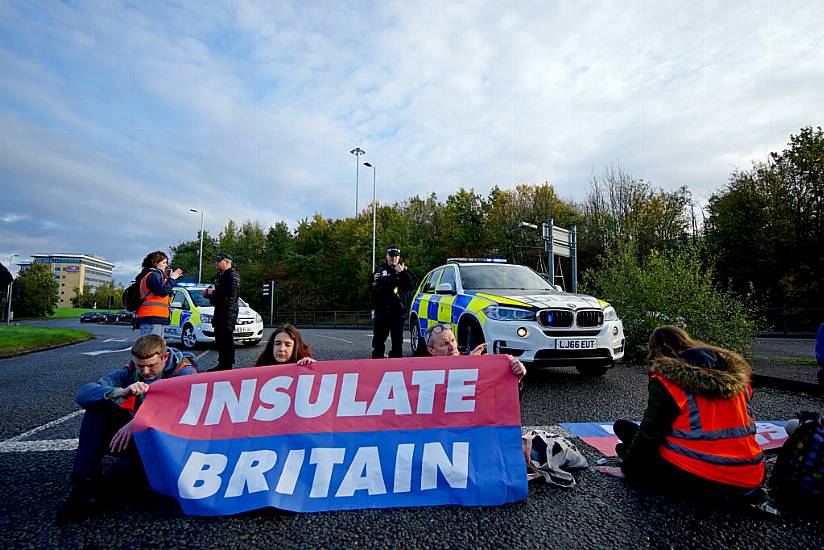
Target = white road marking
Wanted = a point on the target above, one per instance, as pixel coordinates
(45, 426)
(37, 446)
(116, 340)
(101, 352)
(329, 337)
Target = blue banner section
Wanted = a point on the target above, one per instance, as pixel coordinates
(338, 471)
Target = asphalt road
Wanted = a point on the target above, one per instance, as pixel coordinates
(601, 512)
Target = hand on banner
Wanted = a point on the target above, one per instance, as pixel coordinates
(478, 350)
(518, 368)
(614, 471)
(134, 389)
(306, 362)
(122, 438)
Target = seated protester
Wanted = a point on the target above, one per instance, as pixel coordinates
(698, 431)
(440, 342)
(110, 405)
(285, 345)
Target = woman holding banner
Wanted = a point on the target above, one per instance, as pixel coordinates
(285, 345)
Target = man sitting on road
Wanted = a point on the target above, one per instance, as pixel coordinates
(110, 405)
(440, 341)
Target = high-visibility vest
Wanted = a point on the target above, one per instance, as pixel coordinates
(153, 306)
(714, 438)
(132, 402)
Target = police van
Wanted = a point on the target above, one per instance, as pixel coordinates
(191, 321)
(516, 311)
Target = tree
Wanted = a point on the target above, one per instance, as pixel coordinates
(766, 228)
(38, 292)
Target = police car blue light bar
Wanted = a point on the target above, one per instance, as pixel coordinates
(479, 260)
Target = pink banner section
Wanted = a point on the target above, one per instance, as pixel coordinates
(335, 396)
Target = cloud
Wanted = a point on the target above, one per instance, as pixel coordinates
(116, 118)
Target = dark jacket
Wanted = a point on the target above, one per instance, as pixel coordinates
(225, 295)
(391, 290)
(702, 371)
(159, 285)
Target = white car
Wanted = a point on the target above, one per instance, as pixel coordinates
(191, 320)
(516, 311)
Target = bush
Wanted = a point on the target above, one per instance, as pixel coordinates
(675, 288)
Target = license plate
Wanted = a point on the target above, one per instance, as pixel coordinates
(585, 343)
(242, 330)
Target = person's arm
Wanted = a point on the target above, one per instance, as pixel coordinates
(659, 416)
(405, 280)
(102, 389)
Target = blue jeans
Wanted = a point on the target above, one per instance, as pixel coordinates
(152, 329)
(100, 422)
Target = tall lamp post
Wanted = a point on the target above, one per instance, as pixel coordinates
(11, 284)
(200, 262)
(357, 151)
(374, 212)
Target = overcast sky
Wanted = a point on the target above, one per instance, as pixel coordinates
(117, 118)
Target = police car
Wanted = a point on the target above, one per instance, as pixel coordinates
(516, 311)
(191, 320)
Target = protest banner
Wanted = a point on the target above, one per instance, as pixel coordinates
(336, 435)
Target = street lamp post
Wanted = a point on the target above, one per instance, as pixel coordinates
(11, 284)
(200, 261)
(374, 212)
(357, 151)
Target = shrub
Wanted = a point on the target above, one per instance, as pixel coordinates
(673, 288)
(38, 292)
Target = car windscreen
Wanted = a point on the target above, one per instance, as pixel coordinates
(201, 301)
(503, 277)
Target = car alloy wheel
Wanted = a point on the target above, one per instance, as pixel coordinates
(188, 339)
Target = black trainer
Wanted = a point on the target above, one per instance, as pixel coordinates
(82, 502)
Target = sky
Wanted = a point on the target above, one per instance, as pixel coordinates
(117, 118)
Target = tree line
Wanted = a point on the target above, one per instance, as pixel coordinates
(759, 240)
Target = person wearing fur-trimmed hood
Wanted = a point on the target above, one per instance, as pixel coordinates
(697, 435)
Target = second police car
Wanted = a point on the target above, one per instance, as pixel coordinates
(516, 311)
(191, 321)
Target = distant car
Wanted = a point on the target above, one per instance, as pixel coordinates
(89, 316)
(124, 318)
(516, 311)
(191, 319)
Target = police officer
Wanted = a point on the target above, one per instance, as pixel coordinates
(389, 285)
(223, 295)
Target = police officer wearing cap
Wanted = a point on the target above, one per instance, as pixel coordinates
(223, 295)
(389, 285)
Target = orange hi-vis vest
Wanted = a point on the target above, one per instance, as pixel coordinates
(714, 438)
(132, 402)
(153, 306)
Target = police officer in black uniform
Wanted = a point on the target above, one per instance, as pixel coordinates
(223, 295)
(390, 285)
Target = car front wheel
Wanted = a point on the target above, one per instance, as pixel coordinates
(416, 338)
(188, 338)
(471, 336)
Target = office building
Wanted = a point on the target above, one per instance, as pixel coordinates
(83, 271)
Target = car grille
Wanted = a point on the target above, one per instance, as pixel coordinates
(554, 354)
(556, 318)
(590, 318)
(568, 333)
(244, 321)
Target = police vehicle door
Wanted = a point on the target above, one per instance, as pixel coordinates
(180, 304)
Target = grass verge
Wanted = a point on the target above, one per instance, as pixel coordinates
(68, 312)
(795, 361)
(16, 340)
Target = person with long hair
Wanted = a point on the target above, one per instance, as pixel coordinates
(697, 435)
(285, 345)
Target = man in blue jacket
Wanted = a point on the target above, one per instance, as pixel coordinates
(110, 405)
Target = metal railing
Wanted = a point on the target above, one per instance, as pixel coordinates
(330, 319)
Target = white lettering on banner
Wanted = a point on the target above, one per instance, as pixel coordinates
(767, 432)
(202, 475)
(607, 428)
(224, 397)
(391, 394)
(454, 471)
(364, 473)
(457, 389)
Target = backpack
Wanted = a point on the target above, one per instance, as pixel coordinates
(132, 300)
(798, 477)
(547, 453)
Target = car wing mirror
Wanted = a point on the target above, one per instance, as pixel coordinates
(445, 288)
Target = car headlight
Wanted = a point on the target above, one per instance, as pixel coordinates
(258, 318)
(500, 313)
(610, 314)
(206, 319)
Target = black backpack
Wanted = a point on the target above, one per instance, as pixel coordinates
(132, 300)
(797, 480)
